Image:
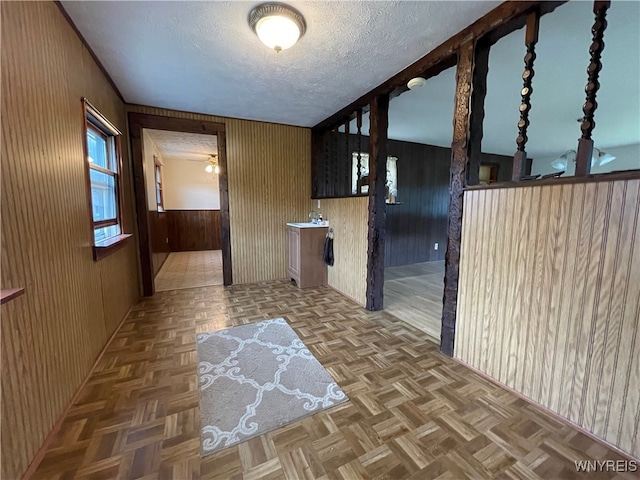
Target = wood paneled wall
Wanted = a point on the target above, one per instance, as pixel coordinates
(193, 230)
(413, 226)
(52, 334)
(549, 299)
(269, 167)
(159, 238)
(348, 219)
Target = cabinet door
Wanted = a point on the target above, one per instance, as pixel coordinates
(294, 252)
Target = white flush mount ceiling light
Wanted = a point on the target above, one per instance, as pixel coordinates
(277, 25)
(416, 82)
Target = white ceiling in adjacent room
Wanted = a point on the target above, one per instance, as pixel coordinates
(203, 56)
(184, 146)
(425, 115)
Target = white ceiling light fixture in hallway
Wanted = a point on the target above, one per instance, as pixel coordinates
(277, 25)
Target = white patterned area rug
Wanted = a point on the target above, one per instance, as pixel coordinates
(256, 378)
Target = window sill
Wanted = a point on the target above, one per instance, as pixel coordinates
(107, 247)
(9, 294)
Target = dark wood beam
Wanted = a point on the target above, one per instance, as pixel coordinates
(531, 38)
(478, 94)
(379, 122)
(585, 144)
(359, 165)
(459, 160)
(142, 214)
(225, 219)
(500, 21)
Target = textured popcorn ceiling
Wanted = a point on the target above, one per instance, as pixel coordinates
(184, 146)
(203, 57)
(425, 115)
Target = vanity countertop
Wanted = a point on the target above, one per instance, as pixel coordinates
(308, 225)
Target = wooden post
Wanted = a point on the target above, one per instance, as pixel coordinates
(359, 167)
(459, 159)
(142, 210)
(223, 181)
(585, 145)
(531, 38)
(378, 121)
(478, 94)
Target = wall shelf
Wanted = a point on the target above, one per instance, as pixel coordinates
(9, 294)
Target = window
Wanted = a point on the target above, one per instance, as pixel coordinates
(104, 166)
(360, 183)
(158, 180)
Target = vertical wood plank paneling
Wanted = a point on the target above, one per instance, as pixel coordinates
(541, 250)
(628, 427)
(626, 313)
(269, 168)
(530, 253)
(159, 239)
(590, 301)
(555, 250)
(475, 269)
(604, 296)
(348, 219)
(553, 309)
(618, 291)
(193, 230)
(506, 214)
(52, 334)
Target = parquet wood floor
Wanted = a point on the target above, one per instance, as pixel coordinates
(190, 269)
(413, 412)
(413, 293)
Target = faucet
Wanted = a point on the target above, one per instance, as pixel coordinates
(313, 216)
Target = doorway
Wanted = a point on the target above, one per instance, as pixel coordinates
(419, 136)
(184, 240)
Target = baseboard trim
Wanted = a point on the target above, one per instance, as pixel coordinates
(33, 466)
(549, 412)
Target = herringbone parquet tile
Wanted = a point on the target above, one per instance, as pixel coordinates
(413, 413)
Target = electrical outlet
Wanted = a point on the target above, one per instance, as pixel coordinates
(435, 246)
(318, 203)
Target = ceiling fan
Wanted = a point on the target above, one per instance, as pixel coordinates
(212, 164)
(598, 158)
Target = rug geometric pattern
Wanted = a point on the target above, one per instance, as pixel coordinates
(255, 378)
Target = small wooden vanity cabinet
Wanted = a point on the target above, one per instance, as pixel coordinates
(306, 246)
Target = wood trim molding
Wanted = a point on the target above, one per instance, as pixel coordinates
(176, 124)
(379, 122)
(139, 121)
(89, 49)
(601, 177)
